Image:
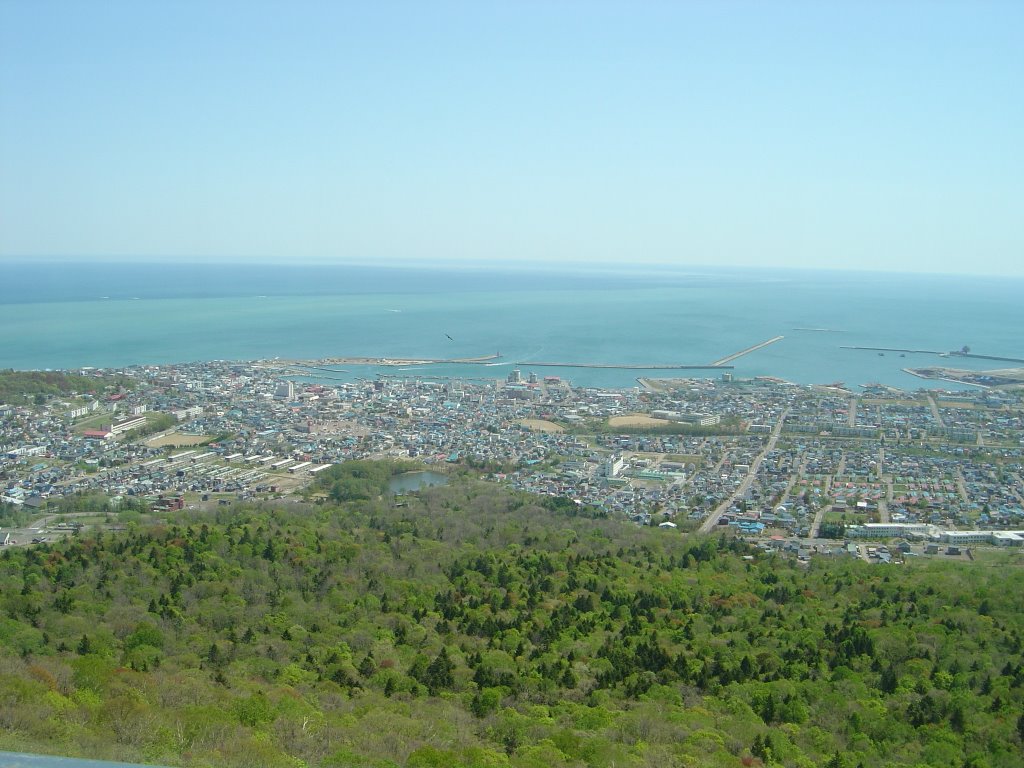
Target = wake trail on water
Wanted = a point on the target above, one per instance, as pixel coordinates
(532, 355)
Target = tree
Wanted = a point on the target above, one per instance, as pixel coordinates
(439, 673)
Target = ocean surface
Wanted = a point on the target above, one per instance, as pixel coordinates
(71, 315)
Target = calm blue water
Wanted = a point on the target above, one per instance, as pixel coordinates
(108, 315)
(19, 760)
(415, 481)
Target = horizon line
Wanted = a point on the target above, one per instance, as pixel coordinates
(477, 265)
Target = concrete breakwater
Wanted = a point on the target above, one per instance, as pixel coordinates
(623, 366)
(954, 353)
(896, 349)
(722, 363)
(729, 358)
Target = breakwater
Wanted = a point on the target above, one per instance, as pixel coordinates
(987, 357)
(729, 358)
(624, 366)
(722, 363)
(954, 353)
(896, 349)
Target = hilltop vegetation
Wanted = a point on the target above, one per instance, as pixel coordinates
(476, 627)
(18, 387)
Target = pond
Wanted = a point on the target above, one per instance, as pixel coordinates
(408, 482)
(19, 760)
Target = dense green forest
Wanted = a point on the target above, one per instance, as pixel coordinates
(18, 387)
(469, 626)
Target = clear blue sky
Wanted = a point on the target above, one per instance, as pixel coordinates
(866, 135)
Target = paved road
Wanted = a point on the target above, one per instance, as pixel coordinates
(883, 511)
(935, 411)
(961, 486)
(784, 499)
(744, 486)
(883, 504)
(816, 523)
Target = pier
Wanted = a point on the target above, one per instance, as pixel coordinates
(897, 349)
(625, 366)
(483, 359)
(321, 368)
(954, 353)
(987, 357)
(722, 363)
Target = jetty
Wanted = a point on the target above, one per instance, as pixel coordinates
(954, 353)
(729, 358)
(321, 368)
(897, 349)
(483, 359)
(722, 364)
(987, 357)
(625, 366)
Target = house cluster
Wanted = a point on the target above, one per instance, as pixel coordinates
(667, 452)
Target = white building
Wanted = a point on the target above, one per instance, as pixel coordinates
(127, 425)
(893, 530)
(612, 466)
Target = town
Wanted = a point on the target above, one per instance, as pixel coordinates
(811, 471)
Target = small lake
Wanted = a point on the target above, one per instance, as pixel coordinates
(408, 482)
(19, 760)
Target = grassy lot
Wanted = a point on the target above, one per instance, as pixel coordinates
(96, 421)
(178, 440)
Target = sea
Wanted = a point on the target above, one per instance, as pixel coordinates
(108, 315)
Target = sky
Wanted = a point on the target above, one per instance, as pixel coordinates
(841, 135)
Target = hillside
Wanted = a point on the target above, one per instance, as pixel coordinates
(471, 626)
(18, 387)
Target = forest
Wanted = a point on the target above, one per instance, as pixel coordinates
(468, 625)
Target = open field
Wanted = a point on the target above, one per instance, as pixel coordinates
(637, 420)
(542, 425)
(97, 421)
(176, 440)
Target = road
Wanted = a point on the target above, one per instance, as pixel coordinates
(961, 485)
(935, 411)
(818, 517)
(883, 504)
(744, 486)
(799, 473)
